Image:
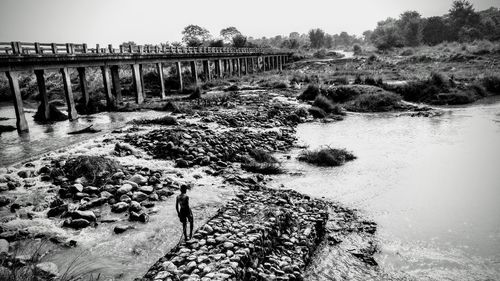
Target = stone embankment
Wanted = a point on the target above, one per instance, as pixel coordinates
(262, 234)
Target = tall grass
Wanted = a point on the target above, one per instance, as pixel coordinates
(326, 156)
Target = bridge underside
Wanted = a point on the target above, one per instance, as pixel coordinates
(213, 65)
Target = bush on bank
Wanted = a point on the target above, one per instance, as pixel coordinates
(326, 156)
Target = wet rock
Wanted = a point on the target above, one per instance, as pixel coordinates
(138, 179)
(4, 201)
(135, 206)
(56, 211)
(125, 188)
(121, 228)
(76, 224)
(48, 269)
(146, 189)
(119, 207)
(87, 215)
(139, 196)
(143, 217)
(76, 188)
(4, 246)
(125, 198)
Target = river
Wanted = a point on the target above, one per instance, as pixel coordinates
(431, 184)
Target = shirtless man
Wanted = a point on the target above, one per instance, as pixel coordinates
(184, 212)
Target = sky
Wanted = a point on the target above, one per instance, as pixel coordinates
(155, 21)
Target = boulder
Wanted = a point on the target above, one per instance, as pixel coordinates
(138, 179)
(119, 207)
(146, 189)
(121, 228)
(4, 246)
(135, 206)
(139, 196)
(125, 188)
(4, 201)
(76, 224)
(87, 215)
(56, 211)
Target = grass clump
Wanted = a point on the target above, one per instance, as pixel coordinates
(310, 93)
(317, 112)
(492, 84)
(375, 102)
(327, 105)
(326, 156)
(262, 162)
(96, 169)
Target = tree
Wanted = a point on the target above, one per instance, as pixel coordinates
(328, 41)
(410, 25)
(434, 31)
(317, 38)
(216, 43)
(229, 33)
(194, 35)
(386, 35)
(294, 35)
(462, 16)
(367, 36)
(345, 39)
(239, 41)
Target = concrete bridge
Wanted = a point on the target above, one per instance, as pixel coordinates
(217, 62)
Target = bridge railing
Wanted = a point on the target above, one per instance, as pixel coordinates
(26, 48)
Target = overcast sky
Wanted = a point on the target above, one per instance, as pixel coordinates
(155, 21)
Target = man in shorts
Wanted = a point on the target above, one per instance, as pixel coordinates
(184, 212)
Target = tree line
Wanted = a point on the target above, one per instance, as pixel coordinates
(461, 23)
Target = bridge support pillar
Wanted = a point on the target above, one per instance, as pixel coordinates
(21, 124)
(159, 68)
(194, 72)
(206, 70)
(115, 78)
(178, 66)
(42, 90)
(245, 62)
(238, 64)
(83, 86)
(230, 62)
(107, 87)
(136, 73)
(68, 93)
(280, 64)
(218, 66)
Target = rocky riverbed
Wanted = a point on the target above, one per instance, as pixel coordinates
(260, 234)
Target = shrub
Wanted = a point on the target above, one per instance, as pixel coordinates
(317, 112)
(195, 93)
(357, 49)
(375, 102)
(326, 156)
(407, 52)
(358, 80)
(323, 103)
(492, 83)
(320, 54)
(165, 120)
(262, 168)
(262, 156)
(341, 81)
(372, 58)
(96, 169)
(310, 93)
(301, 112)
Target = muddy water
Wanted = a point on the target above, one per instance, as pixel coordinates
(431, 184)
(42, 138)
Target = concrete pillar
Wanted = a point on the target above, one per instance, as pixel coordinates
(179, 74)
(159, 67)
(107, 87)
(21, 124)
(245, 62)
(42, 90)
(141, 73)
(238, 63)
(115, 78)
(206, 70)
(280, 63)
(83, 86)
(230, 62)
(68, 93)
(136, 76)
(194, 72)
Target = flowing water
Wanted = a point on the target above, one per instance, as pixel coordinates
(431, 184)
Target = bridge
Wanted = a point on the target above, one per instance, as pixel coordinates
(217, 62)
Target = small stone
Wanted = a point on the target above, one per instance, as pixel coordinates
(119, 207)
(125, 188)
(228, 245)
(139, 196)
(4, 246)
(138, 179)
(120, 229)
(146, 189)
